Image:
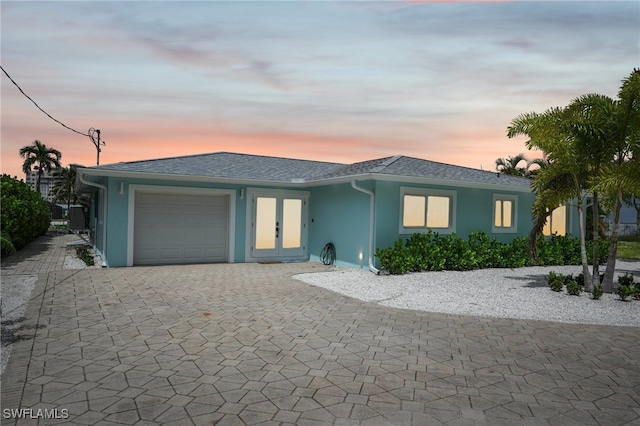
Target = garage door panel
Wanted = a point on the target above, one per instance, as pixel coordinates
(214, 253)
(170, 254)
(148, 255)
(180, 228)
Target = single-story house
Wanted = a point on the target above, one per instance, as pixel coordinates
(229, 207)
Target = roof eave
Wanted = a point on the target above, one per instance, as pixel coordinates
(181, 178)
(306, 183)
(417, 180)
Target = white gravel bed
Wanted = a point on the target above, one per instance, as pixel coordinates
(503, 293)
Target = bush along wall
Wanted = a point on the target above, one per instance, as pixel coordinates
(24, 215)
(433, 252)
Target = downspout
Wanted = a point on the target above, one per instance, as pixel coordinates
(104, 215)
(372, 198)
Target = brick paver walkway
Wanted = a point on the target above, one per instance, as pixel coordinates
(247, 344)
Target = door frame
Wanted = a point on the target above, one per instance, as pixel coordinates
(252, 193)
(181, 190)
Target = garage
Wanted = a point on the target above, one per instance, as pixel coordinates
(172, 228)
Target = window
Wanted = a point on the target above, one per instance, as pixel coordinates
(427, 208)
(505, 208)
(414, 211)
(556, 222)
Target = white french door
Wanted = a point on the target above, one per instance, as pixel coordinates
(278, 224)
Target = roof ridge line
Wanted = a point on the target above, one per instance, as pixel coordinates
(389, 161)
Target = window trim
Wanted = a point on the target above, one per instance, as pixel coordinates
(513, 229)
(426, 192)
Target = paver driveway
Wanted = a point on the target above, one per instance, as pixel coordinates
(248, 344)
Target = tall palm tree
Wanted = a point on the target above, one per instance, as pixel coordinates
(65, 188)
(41, 158)
(592, 124)
(562, 175)
(622, 176)
(593, 146)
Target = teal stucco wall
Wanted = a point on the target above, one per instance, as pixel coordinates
(473, 211)
(118, 212)
(337, 213)
(340, 214)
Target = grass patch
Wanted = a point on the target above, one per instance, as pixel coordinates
(629, 248)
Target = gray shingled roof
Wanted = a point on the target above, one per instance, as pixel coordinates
(231, 166)
(408, 166)
(275, 169)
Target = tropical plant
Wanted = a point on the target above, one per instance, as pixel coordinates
(513, 165)
(589, 146)
(64, 190)
(38, 156)
(621, 176)
(562, 177)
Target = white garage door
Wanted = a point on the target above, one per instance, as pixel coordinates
(177, 228)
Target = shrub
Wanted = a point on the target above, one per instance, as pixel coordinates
(393, 259)
(573, 288)
(597, 292)
(24, 215)
(627, 287)
(626, 279)
(430, 251)
(625, 291)
(7, 246)
(555, 281)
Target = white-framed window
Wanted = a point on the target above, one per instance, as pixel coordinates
(505, 218)
(556, 222)
(423, 208)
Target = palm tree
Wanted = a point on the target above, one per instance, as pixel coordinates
(591, 123)
(509, 165)
(562, 175)
(592, 146)
(621, 176)
(41, 158)
(65, 188)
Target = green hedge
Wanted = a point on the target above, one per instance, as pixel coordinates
(24, 214)
(433, 252)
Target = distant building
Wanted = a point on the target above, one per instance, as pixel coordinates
(47, 183)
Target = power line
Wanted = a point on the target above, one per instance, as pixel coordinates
(38, 106)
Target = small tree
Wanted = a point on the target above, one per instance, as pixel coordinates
(64, 191)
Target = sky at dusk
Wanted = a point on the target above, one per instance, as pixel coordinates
(334, 81)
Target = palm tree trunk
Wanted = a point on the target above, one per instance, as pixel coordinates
(607, 283)
(636, 205)
(38, 179)
(583, 247)
(595, 220)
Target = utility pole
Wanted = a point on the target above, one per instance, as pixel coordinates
(97, 142)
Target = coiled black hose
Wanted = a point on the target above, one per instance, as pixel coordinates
(328, 254)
